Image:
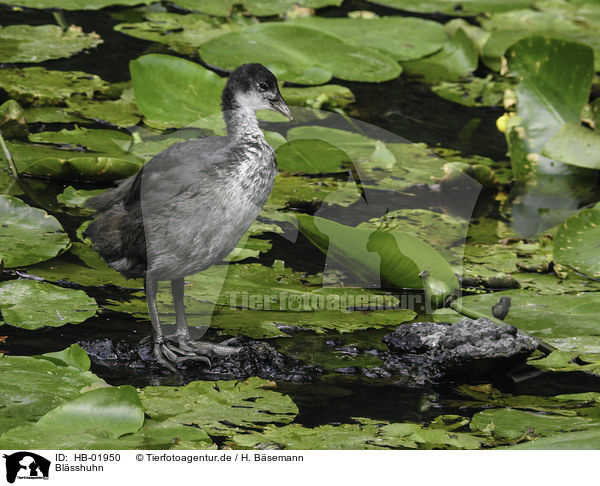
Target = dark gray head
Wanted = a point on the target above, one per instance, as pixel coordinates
(253, 86)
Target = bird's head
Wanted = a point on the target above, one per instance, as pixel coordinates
(253, 86)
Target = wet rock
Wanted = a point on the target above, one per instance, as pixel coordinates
(428, 352)
(256, 358)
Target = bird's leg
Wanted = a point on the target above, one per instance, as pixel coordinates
(185, 344)
(164, 353)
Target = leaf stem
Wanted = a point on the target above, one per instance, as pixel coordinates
(473, 314)
(61, 20)
(8, 157)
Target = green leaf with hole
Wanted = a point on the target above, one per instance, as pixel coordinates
(30, 304)
(171, 91)
(29, 235)
(577, 242)
(28, 43)
(401, 38)
(298, 54)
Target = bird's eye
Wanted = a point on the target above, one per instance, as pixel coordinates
(263, 86)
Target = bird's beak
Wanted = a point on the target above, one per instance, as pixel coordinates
(280, 106)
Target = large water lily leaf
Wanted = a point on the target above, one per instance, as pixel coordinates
(311, 157)
(587, 439)
(554, 82)
(255, 7)
(575, 145)
(298, 54)
(104, 156)
(508, 27)
(30, 304)
(458, 57)
(41, 87)
(577, 242)
(452, 7)
(220, 408)
(28, 43)
(89, 421)
(121, 112)
(174, 92)
(392, 257)
(327, 96)
(29, 235)
(184, 33)
(402, 38)
(32, 386)
(512, 425)
(473, 92)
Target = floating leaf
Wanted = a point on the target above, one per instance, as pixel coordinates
(74, 356)
(457, 58)
(29, 235)
(298, 54)
(171, 91)
(311, 157)
(574, 145)
(577, 242)
(78, 4)
(41, 87)
(255, 7)
(28, 43)
(30, 387)
(327, 96)
(122, 112)
(30, 304)
(87, 422)
(77, 197)
(453, 7)
(473, 92)
(587, 439)
(402, 38)
(220, 408)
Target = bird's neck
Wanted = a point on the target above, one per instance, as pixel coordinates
(242, 125)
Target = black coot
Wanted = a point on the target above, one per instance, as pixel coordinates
(190, 205)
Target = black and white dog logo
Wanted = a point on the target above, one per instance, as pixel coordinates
(26, 465)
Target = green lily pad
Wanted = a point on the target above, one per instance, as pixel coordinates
(311, 157)
(508, 27)
(255, 7)
(509, 424)
(12, 120)
(78, 4)
(587, 439)
(29, 235)
(76, 198)
(184, 33)
(401, 38)
(298, 54)
(473, 92)
(74, 356)
(30, 304)
(577, 242)
(171, 91)
(30, 387)
(82, 266)
(574, 145)
(554, 81)
(28, 43)
(327, 96)
(41, 87)
(454, 7)
(393, 257)
(220, 408)
(457, 58)
(103, 158)
(122, 112)
(88, 421)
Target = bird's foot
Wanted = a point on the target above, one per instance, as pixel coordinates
(179, 349)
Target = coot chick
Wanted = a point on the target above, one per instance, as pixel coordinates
(190, 205)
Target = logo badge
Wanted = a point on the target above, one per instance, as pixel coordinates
(26, 465)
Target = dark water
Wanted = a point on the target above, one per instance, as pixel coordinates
(404, 107)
